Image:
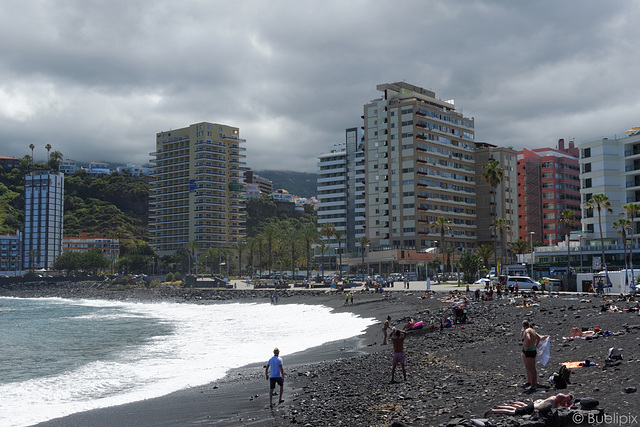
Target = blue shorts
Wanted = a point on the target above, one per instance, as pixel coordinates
(275, 380)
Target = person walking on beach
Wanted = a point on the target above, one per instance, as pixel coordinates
(530, 341)
(275, 374)
(385, 328)
(397, 337)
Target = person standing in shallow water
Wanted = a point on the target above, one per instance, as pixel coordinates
(275, 374)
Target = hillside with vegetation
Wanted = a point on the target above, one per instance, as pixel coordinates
(301, 184)
(113, 205)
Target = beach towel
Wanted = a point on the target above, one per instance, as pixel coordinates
(543, 351)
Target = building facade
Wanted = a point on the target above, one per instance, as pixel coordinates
(10, 255)
(340, 193)
(548, 183)
(196, 188)
(9, 162)
(420, 165)
(43, 216)
(264, 185)
(499, 204)
(84, 242)
(68, 167)
(609, 166)
(98, 169)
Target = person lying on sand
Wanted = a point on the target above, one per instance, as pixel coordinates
(577, 332)
(521, 408)
(407, 326)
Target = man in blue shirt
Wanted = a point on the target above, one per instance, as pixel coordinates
(275, 374)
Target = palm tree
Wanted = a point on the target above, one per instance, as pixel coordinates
(269, 233)
(519, 247)
(328, 230)
(310, 236)
(600, 202)
(501, 226)
(441, 224)
(632, 209)
(192, 247)
(33, 254)
(364, 242)
(493, 175)
(32, 147)
(567, 220)
(624, 225)
(241, 248)
(251, 247)
(338, 234)
(323, 249)
(485, 252)
(55, 158)
(48, 148)
(259, 242)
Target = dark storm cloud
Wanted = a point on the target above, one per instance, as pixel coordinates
(97, 80)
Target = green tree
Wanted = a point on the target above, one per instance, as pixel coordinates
(94, 260)
(31, 146)
(485, 252)
(269, 233)
(434, 265)
(310, 236)
(600, 202)
(501, 227)
(364, 243)
(328, 231)
(339, 234)
(567, 221)
(470, 264)
(493, 175)
(632, 210)
(48, 148)
(519, 247)
(55, 159)
(624, 225)
(67, 261)
(240, 248)
(442, 224)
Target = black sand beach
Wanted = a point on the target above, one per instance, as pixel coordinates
(454, 375)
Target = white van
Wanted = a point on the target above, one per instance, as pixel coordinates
(524, 282)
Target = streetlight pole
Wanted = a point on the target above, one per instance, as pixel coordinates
(368, 269)
(531, 233)
(581, 253)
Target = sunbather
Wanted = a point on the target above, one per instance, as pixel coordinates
(521, 408)
(577, 332)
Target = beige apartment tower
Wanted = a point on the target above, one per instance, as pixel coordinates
(196, 188)
(420, 166)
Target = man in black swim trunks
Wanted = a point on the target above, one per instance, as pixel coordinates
(530, 340)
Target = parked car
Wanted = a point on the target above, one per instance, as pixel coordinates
(524, 282)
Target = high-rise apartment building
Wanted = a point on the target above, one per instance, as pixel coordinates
(196, 188)
(264, 185)
(610, 166)
(43, 214)
(420, 165)
(548, 183)
(340, 188)
(10, 255)
(501, 203)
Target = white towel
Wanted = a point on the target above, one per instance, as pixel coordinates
(543, 351)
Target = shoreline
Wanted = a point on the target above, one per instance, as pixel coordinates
(454, 375)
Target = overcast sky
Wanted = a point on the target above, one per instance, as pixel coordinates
(98, 79)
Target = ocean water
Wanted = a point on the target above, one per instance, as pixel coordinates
(59, 357)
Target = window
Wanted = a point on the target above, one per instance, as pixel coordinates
(587, 168)
(587, 183)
